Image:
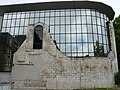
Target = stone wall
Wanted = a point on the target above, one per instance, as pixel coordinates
(48, 68)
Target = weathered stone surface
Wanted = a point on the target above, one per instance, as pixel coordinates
(48, 68)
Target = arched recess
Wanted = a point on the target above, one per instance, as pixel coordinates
(38, 37)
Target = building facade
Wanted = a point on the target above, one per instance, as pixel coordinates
(68, 45)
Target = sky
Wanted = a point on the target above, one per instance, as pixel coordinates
(115, 4)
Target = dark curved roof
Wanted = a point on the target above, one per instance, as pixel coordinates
(60, 5)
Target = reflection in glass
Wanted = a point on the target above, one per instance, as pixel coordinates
(78, 19)
(88, 19)
(89, 27)
(37, 20)
(75, 31)
(73, 36)
(94, 20)
(57, 38)
(91, 49)
(5, 16)
(84, 19)
(88, 12)
(90, 37)
(94, 29)
(38, 37)
(73, 20)
(57, 19)
(62, 38)
(52, 20)
(74, 49)
(68, 47)
(56, 29)
(62, 47)
(83, 12)
(37, 14)
(4, 23)
(68, 39)
(62, 20)
(84, 29)
(68, 29)
(62, 29)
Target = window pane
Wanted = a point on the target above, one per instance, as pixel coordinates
(57, 29)
(91, 49)
(13, 22)
(84, 38)
(98, 21)
(52, 20)
(74, 49)
(67, 20)
(72, 20)
(62, 20)
(57, 19)
(89, 27)
(57, 38)
(89, 20)
(37, 14)
(62, 47)
(37, 20)
(68, 29)
(62, 38)
(73, 29)
(94, 29)
(90, 37)
(83, 12)
(67, 37)
(95, 38)
(99, 30)
(22, 22)
(68, 47)
(18, 15)
(4, 23)
(78, 20)
(84, 29)
(51, 29)
(62, 29)
(26, 22)
(79, 29)
(88, 12)
(94, 20)
(73, 37)
(84, 20)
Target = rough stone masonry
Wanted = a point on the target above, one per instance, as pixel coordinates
(48, 68)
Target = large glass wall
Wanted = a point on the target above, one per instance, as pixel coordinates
(78, 32)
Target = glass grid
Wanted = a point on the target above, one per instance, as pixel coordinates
(77, 32)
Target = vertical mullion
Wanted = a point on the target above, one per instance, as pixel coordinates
(70, 35)
(19, 26)
(65, 31)
(87, 32)
(81, 33)
(76, 34)
(10, 22)
(92, 31)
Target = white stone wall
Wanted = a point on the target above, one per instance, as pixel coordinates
(113, 47)
(48, 68)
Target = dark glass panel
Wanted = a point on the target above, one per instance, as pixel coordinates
(38, 37)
